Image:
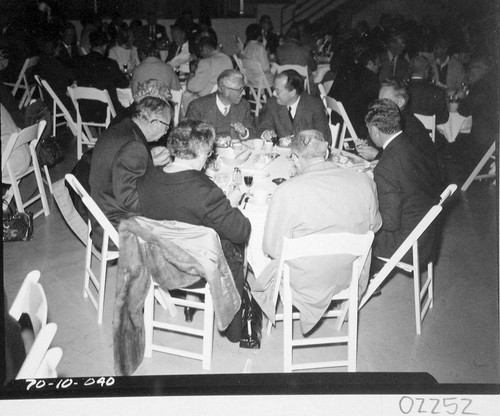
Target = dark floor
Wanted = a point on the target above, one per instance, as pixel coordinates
(460, 336)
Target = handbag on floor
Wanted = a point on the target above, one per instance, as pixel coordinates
(18, 226)
(251, 328)
(48, 151)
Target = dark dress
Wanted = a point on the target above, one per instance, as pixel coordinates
(191, 197)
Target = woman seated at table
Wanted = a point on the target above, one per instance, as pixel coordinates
(125, 53)
(182, 192)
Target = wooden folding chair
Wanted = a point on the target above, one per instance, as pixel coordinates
(256, 81)
(104, 255)
(489, 156)
(93, 94)
(426, 291)
(22, 82)
(177, 101)
(347, 133)
(30, 135)
(357, 245)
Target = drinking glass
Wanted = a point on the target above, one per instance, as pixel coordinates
(248, 182)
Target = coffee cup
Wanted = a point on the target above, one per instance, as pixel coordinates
(258, 144)
(260, 196)
(268, 147)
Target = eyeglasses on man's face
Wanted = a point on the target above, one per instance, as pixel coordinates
(156, 120)
(238, 90)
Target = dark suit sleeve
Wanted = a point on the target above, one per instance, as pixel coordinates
(193, 111)
(248, 121)
(442, 113)
(229, 222)
(129, 165)
(390, 196)
(266, 119)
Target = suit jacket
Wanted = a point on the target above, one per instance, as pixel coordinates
(310, 114)
(205, 77)
(67, 58)
(120, 157)
(402, 70)
(428, 100)
(205, 108)
(97, 71)
(324, 199)
(406, 189)
(143, 35)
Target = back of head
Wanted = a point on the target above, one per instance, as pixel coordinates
(149, 108)
(398, 89)
(419, 65)
(295, 81)
(208, 42)
(293, 32)
(309, 144)
(384, 114)
(122, 37)
(152, 88)
(253, 31)
(190, 138)
(98, 39)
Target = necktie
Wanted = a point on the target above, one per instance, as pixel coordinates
(290, 114)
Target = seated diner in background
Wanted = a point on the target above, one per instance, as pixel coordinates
(182, 192)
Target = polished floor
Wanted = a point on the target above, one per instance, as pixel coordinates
(459, 341)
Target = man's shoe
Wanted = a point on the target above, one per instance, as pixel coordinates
(189, 313)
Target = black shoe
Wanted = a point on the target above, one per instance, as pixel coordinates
(189, 313)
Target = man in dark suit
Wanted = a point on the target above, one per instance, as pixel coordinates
(392, 60)
(67, 50)
(426, 98)
(406, 187)
(121, 156)
(291, 110)
(180, 51)
(152, 32)
(226, 109)
(97, 71)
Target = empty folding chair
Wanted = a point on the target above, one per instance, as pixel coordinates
(422, 293)
(48, 366)
(84, 134)
(357, 245)
(29, 135)
(106, 255)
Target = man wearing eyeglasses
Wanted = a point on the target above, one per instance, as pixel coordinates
(291, 110)
(121, 156)
(322, 198)
(226, 109)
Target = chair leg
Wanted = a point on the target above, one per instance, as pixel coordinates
(88, 262)
(102, 279)
(352, 346)
(343, 314)
(430, 275)
(41, 188)
(49, 180)
(287, 328)
(416, 289)
(478, 168)
(54, 118)
(208, 331)
(148, 321)
(17, 196)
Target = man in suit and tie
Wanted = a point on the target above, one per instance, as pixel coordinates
(226, 109)
(426, 98)
(392, 60)
(291, 110)
(406, 186)
(179, 53)
(67, 49)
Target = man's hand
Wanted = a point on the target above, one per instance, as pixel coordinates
(234, 196)
(367, 152)
(268, 135)
(160, 155)
(239, 128)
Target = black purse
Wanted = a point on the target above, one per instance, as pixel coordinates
(251, 326)
(49, 152)
(18, 226)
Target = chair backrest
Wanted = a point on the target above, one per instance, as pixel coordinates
(411, 239)
(31, 300)
(125, 96)
(347, 127)
(28, 63)
(176, 99)
(96, 212)
(429, 123)
(322, 94)
(252, 70)
(30, 135)
(239, 64)
(327, 85)
(302, 70)
(35, 355)
(48, 366)
(59, 103)
(94, 94)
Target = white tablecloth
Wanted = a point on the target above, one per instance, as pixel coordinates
(456, 124)
(124, 96)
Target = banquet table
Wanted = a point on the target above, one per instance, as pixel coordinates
(281, 167)
(455, 125)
